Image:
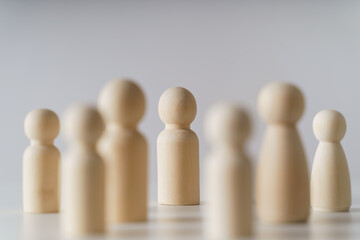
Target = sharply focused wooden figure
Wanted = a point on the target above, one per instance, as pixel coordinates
(84, 172)
(282, 178)
(228, 173)
(124, 150)
(41, 163)
(330, 178)
(178, 149)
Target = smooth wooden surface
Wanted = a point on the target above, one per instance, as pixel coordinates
(84, 187)
(41, 163)
(282, 185)
(228, 173)
(330, 178)
(124, 150)
(178, 149)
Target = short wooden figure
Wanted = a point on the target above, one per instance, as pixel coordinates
(282, 179)
(228, 207)
(41, 163)
(178, 149)
(124, 150)
(84, 172)
(330, 178)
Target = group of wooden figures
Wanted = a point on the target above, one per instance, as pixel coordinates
(106, 165)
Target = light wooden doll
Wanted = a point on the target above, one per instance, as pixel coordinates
(330, 178)
(84, 172)
(41, 163)
(282, 181)
(124, 150)
(178, 149)
(228, 174)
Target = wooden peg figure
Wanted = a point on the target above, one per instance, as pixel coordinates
(282, 182)
(330, 178)
(178, 149)
(41, 163)
(124, 150)
(228, 173)
(84, 172)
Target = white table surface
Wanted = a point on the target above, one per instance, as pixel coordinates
(168, 222)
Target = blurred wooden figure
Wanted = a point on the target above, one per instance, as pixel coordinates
(178, 149)
(41, 163)
(330, 178)
(228, 173)
(282, 179)
(124, 150)
(84, 172)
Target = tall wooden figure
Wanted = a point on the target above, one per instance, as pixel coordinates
(282, 180)
(124, 150)
(41, 163)
(178, 149)
(228, 173)
(84, 172)
(330, 178)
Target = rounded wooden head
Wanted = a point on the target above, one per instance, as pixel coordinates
(329, 125)
(122, 101)
(42, 124)
(280, 102)
(82, 123)
(227, 122)
(177, 105)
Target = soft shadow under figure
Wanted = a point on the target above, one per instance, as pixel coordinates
(291, 231)
(177, 222)
(178, 214)
(128, 231)
(330, 225)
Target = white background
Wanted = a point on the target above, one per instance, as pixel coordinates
(54, 53)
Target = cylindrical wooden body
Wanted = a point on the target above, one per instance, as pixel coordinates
(41, 179)
(282, 182)
(125, 155)
(178, 167)
(229, 195)
(330, 179)
(84, 193)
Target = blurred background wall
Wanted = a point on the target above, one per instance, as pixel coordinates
(54, 53)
